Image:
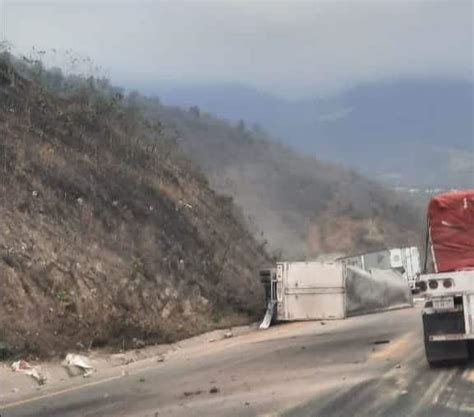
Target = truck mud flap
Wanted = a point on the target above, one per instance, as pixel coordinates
(444, 323)
(267, 320)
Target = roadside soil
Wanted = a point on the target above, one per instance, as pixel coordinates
(108, 365)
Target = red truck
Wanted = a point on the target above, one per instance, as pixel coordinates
(448, 314)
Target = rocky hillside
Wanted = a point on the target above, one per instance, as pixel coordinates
(106, 236)
(302, 207)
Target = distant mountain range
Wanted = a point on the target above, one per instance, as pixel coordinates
(407, 132)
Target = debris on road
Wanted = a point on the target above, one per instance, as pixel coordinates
(25, 368)
(226, 335)
(160, 359)
(381, 342)
(191, 393)
(214, 390)
(74, 362)
(119, 359)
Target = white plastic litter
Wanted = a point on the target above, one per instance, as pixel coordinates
(25, 368)
(79, 362)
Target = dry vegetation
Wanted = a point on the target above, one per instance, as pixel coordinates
(106, 235)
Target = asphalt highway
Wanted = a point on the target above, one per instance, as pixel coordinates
(370, 365)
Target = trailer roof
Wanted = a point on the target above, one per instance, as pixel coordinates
(451, 225)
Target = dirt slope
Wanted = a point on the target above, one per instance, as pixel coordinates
(104, 238)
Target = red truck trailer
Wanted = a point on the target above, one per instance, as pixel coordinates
(448, 315)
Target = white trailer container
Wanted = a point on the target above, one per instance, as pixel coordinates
(330, 290)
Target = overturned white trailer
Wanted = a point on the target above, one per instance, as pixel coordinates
(330, 290)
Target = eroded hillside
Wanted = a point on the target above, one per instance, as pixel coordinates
(105, 236)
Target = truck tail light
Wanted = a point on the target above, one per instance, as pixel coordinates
(433, 284)
(447, 283)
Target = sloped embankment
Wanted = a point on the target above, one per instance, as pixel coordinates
(105, 238)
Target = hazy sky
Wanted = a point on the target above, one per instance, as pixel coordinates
(292, 48)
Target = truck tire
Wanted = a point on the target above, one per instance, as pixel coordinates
(438, 353)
